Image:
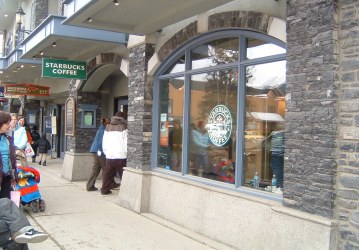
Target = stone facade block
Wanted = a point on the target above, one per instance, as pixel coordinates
(178, 39)
(311, 118)
(140, 108)
(41, 11)
(83, 136)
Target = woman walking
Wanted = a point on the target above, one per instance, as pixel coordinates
(114, 146)
(8, 167)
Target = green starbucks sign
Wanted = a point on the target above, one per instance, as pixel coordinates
(55, 68)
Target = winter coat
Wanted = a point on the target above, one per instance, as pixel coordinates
(114, 143)
(20, 137)
(97, 142)
(43, 145)
(35, 135)
(13, 166)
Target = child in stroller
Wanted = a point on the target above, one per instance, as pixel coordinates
(29, 191)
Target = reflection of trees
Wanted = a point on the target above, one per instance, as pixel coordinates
(221, 86)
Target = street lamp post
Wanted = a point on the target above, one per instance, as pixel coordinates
(20, 14)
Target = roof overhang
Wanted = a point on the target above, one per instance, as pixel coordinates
(14, 69)
(136, 16)
(72, 43)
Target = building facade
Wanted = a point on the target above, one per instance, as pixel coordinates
(223, 93)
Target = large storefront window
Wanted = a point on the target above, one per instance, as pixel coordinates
(213, 124)
(220, 111)
(171, 120)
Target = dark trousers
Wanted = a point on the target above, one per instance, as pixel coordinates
(11, 221)
(5, 187)
(99, 163)
(112, 166)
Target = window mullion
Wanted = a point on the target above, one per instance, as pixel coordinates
(186, 115)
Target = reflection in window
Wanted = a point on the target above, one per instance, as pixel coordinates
(215, 108)
(213, 116)
(215, 53)
(171, 120)
(178, 66)
(264, 125)
(258, 48)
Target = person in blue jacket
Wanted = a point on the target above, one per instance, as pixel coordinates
(20, 141)
(98, 156)
(200, 143)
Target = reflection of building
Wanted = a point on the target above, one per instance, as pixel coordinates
(210, 47)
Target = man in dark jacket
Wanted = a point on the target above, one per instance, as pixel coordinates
(35, 137)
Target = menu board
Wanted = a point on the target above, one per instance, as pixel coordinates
(70, 116)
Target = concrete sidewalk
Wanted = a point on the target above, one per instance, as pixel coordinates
(77, 219)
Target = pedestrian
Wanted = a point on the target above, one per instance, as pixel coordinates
(43, 145)
(200, 142)
(35, 137)
(13, 124)
(114, 146)
(20, 141)
(97, 155)
(14, 225)
(7, 157)
(175, 143)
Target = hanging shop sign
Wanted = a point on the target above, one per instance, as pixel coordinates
(55, 68)
(219, 125)
(26, 89)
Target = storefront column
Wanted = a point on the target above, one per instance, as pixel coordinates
(311, 119)
(135, 183)
(78, 161)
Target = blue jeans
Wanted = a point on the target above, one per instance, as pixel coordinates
(276, 164)
(201, 160)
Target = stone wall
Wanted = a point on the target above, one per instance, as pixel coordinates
(311, 118)
(41, 11)
(139, 108)
(348, 162)
(82, 140)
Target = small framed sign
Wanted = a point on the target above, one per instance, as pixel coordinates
(70, 114)
(88, 115)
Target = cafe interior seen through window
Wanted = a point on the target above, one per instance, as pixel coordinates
(221, 110)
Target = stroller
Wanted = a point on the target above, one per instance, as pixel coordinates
(29, 191)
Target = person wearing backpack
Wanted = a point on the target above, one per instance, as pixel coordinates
(43, 146)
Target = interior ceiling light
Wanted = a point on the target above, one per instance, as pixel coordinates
(42, 53)
(116, 2)
(53, 44)
(6, 15)
(22, 65)
(89, 19)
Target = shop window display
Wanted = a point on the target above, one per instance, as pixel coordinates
(221, 115)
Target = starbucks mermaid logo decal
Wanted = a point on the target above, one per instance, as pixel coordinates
(219, 125)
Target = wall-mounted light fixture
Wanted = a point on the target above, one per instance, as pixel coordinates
(41, 53)
(89, 20)
(20, 14)
(116, 2)
(54, 44)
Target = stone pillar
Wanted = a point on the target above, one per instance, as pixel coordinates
(78, 161)
(41, 11)
(348, 162)
(135, 183)
(311, 118)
